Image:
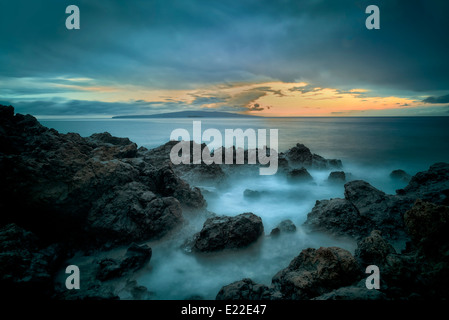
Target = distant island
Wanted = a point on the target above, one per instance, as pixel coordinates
(187, 114)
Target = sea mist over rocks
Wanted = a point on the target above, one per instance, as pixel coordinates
(139, 227)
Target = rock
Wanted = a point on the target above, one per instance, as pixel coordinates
(315, 272)
(355, 292)
(400, 175)
(135, 258)
(300, 155)
(338, 217)
(337, 176)
(431, 185)
(428, 227)
(86, 185)
(301, 175)
(25, 270)
(245, 289)
(286, 226)
(373, 250)
(251, 194)
(223, 232)
(133, 213)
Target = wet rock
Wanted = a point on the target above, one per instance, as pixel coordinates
(355, 292)
(373, 249)
(428, 226)
(25, 269)
(299, 175)
(400, 175)
(431, 185)
(300, 155)
(286, 226)
(245, 289)
(135, 258)
(133, 213)
(337, 177)
(338, 217)
(86, 185)
(223, 232)
(315, 272)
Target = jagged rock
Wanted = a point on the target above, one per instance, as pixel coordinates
(299, 175)
(373, 249)
(223, 232)
(315, 272)
(431, 185)
(300, 155)
(25, 269)
(133, 213)
(364, 209)
(84, 185)
(354, 292)
(245, 289)
(134, 259)
(338, 217)
(400, 175)
(286, 226)
(337, 176)
(428, 226)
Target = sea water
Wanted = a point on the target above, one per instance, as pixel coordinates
(370, 148)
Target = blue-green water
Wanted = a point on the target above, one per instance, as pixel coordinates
(370, 149)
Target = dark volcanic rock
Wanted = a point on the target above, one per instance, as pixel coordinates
(364, 209)
(400, 175)
(354, 292)
(373, 249)
(245, 289)
(431, 185)
(133, 213)
(25, 269)
(428, 226)
(300, 155)
(315, 272)
(84, 185)
(225, 232)
(300, 175)
(286, 226)
(337, 216)
(337, 176)
(135, 258)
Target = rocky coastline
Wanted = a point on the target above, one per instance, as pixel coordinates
(61, 194)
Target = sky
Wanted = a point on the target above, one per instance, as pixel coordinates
(279, 58)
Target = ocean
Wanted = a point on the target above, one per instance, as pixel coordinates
(370, 148)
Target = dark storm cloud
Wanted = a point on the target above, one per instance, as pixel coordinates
(183, 44)
(440, 99)
(62, 107)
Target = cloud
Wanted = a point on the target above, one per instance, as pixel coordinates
(183, 44)
(305, 89)
(440, 99)
(255, 107)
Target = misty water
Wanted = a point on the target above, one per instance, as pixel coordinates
(370, 148)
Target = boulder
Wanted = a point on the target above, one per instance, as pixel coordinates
(285, 226)
(315, 272)
(338, 217)
(337, 177)
(299, 175)
(245, 289)
(373, 250)
(301, 156)
(431, 185)
(364, 209)
(26, 270)
(400, 175)
(428, 227)
(224, 232)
